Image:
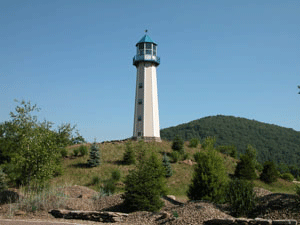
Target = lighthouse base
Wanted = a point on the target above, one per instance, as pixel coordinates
(147, 139)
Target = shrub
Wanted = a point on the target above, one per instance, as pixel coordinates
(129, 156)
(185, 156)
(228, 150)
(116, 175)
(209, 178)
(109, 187)
(245, 168)
(145, 185)
(167, 165)
(83, 150)
(287, 176)
(269, 173)
(197, 156)
(175, 156)
(178, 145)
(3, 181)
(209, 143)
(76, 151)
(194, 142)
(297, 190)
(94, 159)
(95, 180)
(241, 197)
(64, 152)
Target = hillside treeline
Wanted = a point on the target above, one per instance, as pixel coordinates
(272, 142)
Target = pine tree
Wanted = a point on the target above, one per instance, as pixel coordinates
(209, 177)
(269, 173)
(167, 165)
(129, 156)
(94, 159)
(245, 168)
(145, 185)
(178, 145)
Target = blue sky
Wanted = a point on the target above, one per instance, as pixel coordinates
(74, 60)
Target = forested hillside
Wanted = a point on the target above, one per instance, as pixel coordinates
(272, 142)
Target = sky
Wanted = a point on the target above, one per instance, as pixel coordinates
(73, 59)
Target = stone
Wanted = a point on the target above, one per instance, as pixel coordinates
(284, 222)
(220, 221)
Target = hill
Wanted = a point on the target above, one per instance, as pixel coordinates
(272, 142)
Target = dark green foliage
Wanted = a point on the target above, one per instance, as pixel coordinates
(209, 143)
(194, 142)
(129, 156)
(145, 185)
(116, 175)
(3, 180)
(178, 145)
(269, 173)
(175, 156)
(241, 197)
(95, 180)
(167, 165)
(274, 143)
(294, 170)
(64, 152)
(287, 176)
(228, 150)
(282, 168)
(94, 159)
(83, 150)
(209, 178)
(109, 187)
(75, 151)
(197, 156)
(245, 168)
(297, 187)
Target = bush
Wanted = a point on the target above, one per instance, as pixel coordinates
(197, 156)
(194, 142)
(269, 173)
(175, 156)
(178, 145)
(76, 151)
(245, 168)
(209, 143)
(167, 165)
(297, 190)
(64, 152)
(129, 156)
(96, 180)
(116, 175)
(241, 197)
(83, 150)
(228, 150)
(3, 181)
(109, 187)
(209, 178)
(287, 176)
(94, 159)
(145, 185)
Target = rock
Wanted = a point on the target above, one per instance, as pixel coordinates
(110, 217)
(220, 221)
(20, 213)
(171, 197)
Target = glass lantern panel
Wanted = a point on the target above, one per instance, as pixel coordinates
(141, 52)
(148, 46)
(141, 46)
(148, 51)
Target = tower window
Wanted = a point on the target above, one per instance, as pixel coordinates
(140, 101)
(140, 85)
(154, 50)
(139, 118)
(139, 134)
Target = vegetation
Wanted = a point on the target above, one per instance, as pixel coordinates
(209, 177)
(83, 150)
(30, 151)
(194, 142)
(178, 145)
(287, 176)
(167, 166)
(129, 156)
(241, 197)
(245, 168)
(145, 185)
(3, 184)
(269, 173)
(274, 143)
(94, 159)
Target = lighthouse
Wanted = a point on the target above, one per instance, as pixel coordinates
(146, 117)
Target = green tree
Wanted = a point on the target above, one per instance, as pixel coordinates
(269, 173)
(194, 142)
(245, 168)
(145, 185)
(241, 197)
(209, 143)
(30, 150)
(129, 156)
(209, 179)
(94, 159)
(167, 165)
(178, 145)
(287, 176)
(3, 180)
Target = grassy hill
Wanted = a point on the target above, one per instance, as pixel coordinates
(75, 171)
(272, 142)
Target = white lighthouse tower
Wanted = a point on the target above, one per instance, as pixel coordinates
(146, 118)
